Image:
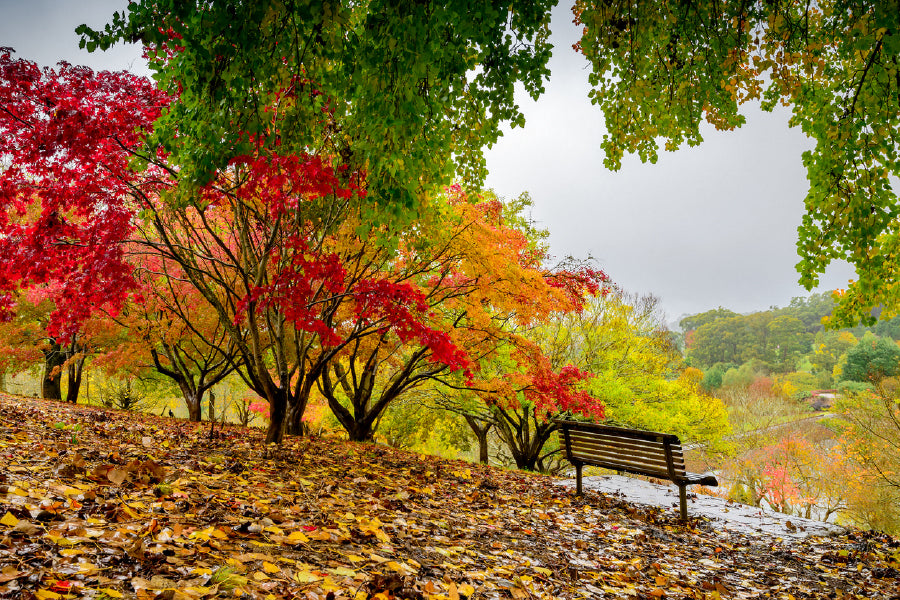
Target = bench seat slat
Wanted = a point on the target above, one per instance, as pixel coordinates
(643, 449)
(620, 465)
(623, 443)
(650, 454)
(621, 431)
(594, 458)
(647, 456)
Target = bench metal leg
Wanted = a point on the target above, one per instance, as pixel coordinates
(682, 498)
(578, 468)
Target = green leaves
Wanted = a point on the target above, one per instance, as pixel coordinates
(409, 92)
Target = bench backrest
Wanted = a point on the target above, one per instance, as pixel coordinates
(630, 450)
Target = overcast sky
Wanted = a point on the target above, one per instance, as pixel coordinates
(704, 227)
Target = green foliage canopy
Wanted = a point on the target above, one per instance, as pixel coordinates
(413, 92)
(872, 359)
(407, 91)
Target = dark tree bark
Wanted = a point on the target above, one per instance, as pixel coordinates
(54, 357)
(524, 435)
(480, 428)
(359, 386)
(195, 373)
(75, 369)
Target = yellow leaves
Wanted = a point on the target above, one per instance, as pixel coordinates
(47, 595)
(401, 568)
(270, 568)
(9, 520)
(373, 527)
(297, 537)
(60, 540)
(112, 593)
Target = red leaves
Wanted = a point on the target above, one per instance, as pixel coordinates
(579, 284)
(69, 135)
(402, 307)
(558, 391)
(282, 183)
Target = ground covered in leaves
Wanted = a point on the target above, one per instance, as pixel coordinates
(105, 504)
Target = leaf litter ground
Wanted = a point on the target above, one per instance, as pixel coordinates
(106, 504)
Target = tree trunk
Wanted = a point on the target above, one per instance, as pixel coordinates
(481, 434)
(277, 417)
(192, 401)
(53, 360)
(76, 368)
(294, 423)
(212, 407)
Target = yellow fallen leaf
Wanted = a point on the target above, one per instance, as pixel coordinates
(306, 577)
(343, 571)
(543, 571)
(401, 568)
(466, 589)
(47, 595)
(9, 520)
(260, 576)
(355, 558)
(382, 536)
(59, 540)
(297, 537)
(453, 591)
(270, 568)
(112, 593)
(86, 568)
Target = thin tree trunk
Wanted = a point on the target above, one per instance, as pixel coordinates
(53, 360)
(76, 368)
(277, 417)
(481, 434)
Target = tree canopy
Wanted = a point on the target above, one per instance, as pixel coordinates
(412, 93)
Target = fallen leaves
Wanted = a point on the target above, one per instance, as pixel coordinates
(190, 518)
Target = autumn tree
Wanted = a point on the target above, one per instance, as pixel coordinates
(433, 82)
(475, 272)
(173, 330)
(828, 349)
(635, 369)
(252, 243)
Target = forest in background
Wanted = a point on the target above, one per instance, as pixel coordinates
(814, 407)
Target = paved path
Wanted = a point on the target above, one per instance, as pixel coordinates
(739, 518)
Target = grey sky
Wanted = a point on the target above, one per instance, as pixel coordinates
(708, 226)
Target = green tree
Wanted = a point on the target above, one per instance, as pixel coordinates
(871, 360)
(723, 340)
(787, 340)
(692, 322)
(416, 89)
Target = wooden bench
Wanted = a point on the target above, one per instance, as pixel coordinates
(631, 451)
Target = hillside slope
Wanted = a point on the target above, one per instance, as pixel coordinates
(105, 504)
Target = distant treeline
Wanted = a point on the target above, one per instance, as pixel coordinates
(778, 338)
